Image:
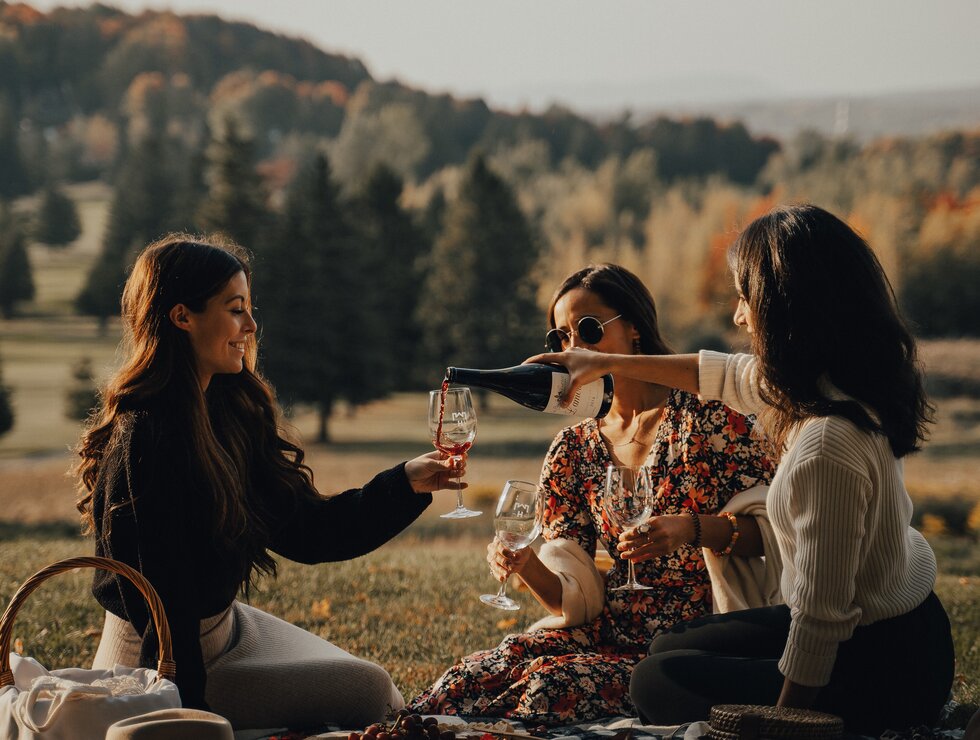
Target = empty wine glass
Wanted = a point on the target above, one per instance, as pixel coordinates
(628, 500)
(452, 423)
(517, 521)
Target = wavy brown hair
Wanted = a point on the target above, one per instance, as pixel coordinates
(625, 294)
(233, 428)
(823, 310)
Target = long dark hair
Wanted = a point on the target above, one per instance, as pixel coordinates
(233, 429)
(823, 310)
(625, 294)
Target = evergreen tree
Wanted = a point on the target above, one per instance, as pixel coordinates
(141, 211)
(309, 301)
(16, 282)
(393, 248)
(57, 223)
(82, 395)
(14, 179)
(6, 409)
(236, 200)
(478, 308)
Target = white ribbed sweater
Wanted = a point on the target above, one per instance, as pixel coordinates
(841, 514)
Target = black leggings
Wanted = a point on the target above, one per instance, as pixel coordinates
(893, 674)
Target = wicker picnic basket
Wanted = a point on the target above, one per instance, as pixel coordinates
(165, 666)
(754, 722)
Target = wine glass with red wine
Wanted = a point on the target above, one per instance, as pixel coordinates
(452, 423)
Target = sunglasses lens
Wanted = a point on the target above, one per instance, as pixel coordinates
(553, 340)
(590, 330)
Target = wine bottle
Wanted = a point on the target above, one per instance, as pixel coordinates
(539, 387)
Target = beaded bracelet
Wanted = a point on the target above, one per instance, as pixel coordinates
(696, 542)
(735, 534)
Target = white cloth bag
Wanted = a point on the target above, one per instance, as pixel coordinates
(75, 703)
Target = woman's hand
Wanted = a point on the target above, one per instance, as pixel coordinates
(583, 366)
(657, 536)
(435, 471)
(503, 562)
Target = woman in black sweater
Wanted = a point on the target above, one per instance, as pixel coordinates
(186, 475)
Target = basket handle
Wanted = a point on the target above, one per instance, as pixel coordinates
(165, 666)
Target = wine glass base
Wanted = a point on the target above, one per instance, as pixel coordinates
(500, 602)
(632, 587)
(460, 512)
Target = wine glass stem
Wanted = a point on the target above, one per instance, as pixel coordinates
(456, 460)
(502, 591)
(632, 573)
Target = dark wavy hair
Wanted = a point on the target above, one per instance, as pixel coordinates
(625, 294)
(822, 308)
(233, 428)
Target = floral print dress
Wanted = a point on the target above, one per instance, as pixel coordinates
(704, 453)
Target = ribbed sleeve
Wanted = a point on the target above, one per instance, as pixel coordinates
(731, 379)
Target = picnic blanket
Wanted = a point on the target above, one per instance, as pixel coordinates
(612, 728)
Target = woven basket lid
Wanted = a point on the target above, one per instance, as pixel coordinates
(772, 723)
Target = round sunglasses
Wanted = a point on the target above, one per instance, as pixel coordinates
(590, 330)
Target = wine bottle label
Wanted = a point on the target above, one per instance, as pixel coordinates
(587, 400)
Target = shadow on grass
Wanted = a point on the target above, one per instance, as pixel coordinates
(60, 530)
(410, 448)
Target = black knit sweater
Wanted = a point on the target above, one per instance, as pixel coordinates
(152, 514)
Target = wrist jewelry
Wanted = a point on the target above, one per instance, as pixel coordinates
(696, 542)
(735, 534)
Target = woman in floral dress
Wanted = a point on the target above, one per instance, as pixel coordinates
(700, 455)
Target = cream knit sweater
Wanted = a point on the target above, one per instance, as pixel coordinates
(841, 515)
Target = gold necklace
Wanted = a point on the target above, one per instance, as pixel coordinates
(633, 439)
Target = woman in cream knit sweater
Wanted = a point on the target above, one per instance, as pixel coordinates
(834, 380)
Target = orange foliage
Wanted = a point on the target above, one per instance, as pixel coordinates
(947, 202)
(111, 27)
(20, 14)
(278, 172)
(336, 91)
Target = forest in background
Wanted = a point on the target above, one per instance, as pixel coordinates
(410, 231)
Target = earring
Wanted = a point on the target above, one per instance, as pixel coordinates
(637, 347)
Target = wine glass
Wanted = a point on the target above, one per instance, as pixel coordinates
(517, 521)
(629, 501)
(452, 423)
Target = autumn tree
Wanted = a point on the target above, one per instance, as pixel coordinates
(56, 223)
(478, 306)
(16, 281)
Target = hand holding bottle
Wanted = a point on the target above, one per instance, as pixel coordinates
(584, 366)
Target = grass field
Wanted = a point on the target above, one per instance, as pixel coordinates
(411, 606)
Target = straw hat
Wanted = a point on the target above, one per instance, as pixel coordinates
(172, 724)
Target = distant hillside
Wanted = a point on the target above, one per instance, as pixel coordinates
(77, 83)
(863, 118)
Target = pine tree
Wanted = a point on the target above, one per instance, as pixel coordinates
(6, 409)
(393, 248)
(82, 395)
(308, 299)
(141, 211)
(478, 308)
(57, 222)
(16, 282)
(236, 200)
(14, 179)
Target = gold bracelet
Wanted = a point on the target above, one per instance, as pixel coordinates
(735, 534)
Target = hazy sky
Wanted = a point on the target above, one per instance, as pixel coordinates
(601, 53)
